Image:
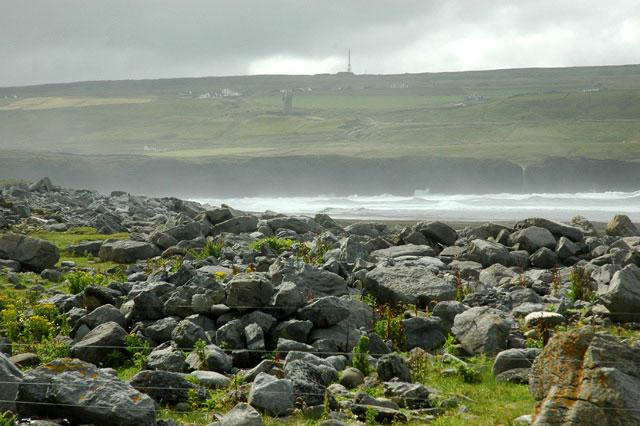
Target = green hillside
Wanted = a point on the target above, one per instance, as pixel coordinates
(518, 115)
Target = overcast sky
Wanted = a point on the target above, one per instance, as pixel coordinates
(69, 40)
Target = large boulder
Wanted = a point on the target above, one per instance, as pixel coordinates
(33, 253)
(271, 395)
(426, 333)
(249, 291)
(438, 232)
(325, 312)
(511, 359)
(621, 226)
(96, 345)
(585, 378)
(483, 330)
(312, 281)
(83, 394)
(10, 377)
(532, 238)
(165, 387)
(236, 225)
(394, 366)
(213, 359)
(488, 252)
(310, 376)
(410, 284)
(556, 228)
(127, 251)
(622, 295)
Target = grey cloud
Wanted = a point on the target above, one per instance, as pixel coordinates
(68, 40)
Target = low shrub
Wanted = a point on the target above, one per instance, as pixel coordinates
(79, 280)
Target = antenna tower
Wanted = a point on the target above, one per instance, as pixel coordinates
(349, 62)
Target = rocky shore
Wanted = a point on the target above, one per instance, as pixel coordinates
(250, 318)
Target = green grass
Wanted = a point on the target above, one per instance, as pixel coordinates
(78, 235)
(525, 115)
(489, 402)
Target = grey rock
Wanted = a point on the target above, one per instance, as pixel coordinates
(219, 215)
(556, 228)
(242, 415)
(52, 275)
(514, 358)
(566, 248)
(544, 258)
(621, 226)
(297, 330)
(394, 366)
(409, 395)
(407, 284)
(447, 311)
(487, 253)
(127, 251)
(211, 379)
(515, 375)
(368, 229)
(264, 320)
(187, 333)
(311, 280)
(271, 395)
(351, 249)
(214, 360)
(483, 330)
(288, 298)
(533, 238)
(299, 225)
(246, 291)
(438, 232)
(236, 225)
(254, 337)
(160, 331)
(310, 376)
(622, 295)
(495, 273)
(325, 312)
(84, 394)
(167, 358)
(231, 335)
(285, 346)
(399, 251)
(426, 333)
(351, 378)
(101, 315)
(164, 387)
(10, 376)
(91, 348)
(33, 253)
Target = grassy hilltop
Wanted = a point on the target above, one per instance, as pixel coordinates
(518, 115)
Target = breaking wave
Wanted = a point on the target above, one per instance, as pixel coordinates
(597, 206)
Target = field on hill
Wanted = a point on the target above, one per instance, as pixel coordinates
(517, 115)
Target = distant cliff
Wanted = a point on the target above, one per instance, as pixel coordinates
(313, 175)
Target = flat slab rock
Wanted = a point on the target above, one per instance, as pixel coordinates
(407, 284)
(84, 394)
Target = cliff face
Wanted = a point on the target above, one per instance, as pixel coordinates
(313, 175)
(581, 174)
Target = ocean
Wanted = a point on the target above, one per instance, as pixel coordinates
(595, 206)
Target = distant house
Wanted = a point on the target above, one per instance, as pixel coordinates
(595, 88)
